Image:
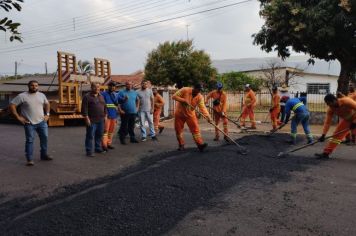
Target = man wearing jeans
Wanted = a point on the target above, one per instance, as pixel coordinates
(128, 113)
(94, 112)
(146, 111)
(34, 116)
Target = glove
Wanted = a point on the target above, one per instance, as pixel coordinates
(353, 126)
(270, 110)
(322, 138)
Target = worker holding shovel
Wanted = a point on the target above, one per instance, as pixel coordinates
(219, 109)
(345, 108)
(276, 108)
(187, 100)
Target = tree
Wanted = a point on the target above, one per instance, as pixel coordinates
(236, 81)
(275, 74)
(85, 67)
(178, 63)
(8, 25)
(324, 29)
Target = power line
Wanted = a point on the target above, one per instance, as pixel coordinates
(127, 28)
(139, 21)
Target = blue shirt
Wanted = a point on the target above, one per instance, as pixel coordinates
(130, 105)
(112, 99)
(295, 105)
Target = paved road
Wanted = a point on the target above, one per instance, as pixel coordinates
(217, 192)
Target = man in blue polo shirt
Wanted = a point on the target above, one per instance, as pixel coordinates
(128, 113)
(301, 115)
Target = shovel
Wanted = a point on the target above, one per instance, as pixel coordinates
(282, 154)
(242, 150)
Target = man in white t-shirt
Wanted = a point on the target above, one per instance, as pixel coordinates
(34, 116)
(145, 112)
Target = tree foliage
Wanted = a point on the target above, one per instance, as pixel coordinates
(7, 24)
(178, 63)
(236, 81)
(85, 67)
(324, 29)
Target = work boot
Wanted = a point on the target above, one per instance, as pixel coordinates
(310, 140)
(293, 141)
(133, 140)
(160, 130)
(143, 139)
(111, 147)
(30, 163)
(122, 141)
(216, 139)
(323, 155)
(46, 158)
(181, 148)
(154, 138)
(201, 147)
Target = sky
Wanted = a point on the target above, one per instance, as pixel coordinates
(125, 31)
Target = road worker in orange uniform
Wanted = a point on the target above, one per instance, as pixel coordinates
(351, 136)
(345, 108)
(249, 104)
(187, 100)
(219, 106)
(276, 107)
(158, 105)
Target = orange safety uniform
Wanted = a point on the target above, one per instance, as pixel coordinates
(347, 111)
(158, 104)
(186, 114)
(351, 135)
(276, 108)
(219, 109)
(248, 107)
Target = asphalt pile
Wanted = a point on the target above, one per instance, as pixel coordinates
(153, 197)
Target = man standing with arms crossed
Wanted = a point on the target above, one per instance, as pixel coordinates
(128, 112)
(219, 106)
(187, 100)
(34, 115)
(146, 111)
(248, 107)
(159, 103)
(95, 115)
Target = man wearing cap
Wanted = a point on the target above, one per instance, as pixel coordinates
(301, 115)
(345, 108)
(187, 100)
(284, 98)
(275, 109)
(249, 104)
(219, 106)
(112, 99)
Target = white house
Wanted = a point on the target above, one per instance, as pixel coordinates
(320, 78)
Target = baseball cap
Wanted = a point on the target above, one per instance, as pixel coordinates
(219, 85)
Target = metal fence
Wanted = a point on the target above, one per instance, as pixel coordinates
(315, 103)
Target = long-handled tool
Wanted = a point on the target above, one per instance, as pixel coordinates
(242, 149)
(281, 154)
(231, 120)
(279, 128)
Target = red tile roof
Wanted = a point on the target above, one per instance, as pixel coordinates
(135, 78)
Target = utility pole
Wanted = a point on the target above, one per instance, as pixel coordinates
(46, 68)
(15, 69)
(74, 23)
(187, 32)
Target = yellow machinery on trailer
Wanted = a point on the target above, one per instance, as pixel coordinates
(68, 104)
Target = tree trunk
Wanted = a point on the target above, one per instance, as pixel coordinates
(344, 78)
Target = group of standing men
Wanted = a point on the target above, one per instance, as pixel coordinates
(101, 110)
